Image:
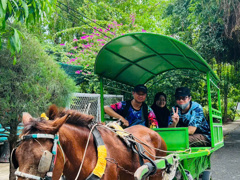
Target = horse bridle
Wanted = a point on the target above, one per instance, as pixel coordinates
(47, 160)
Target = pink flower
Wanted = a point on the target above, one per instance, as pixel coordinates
(143, 30)
(77, 72)
(89, 72)
(83, 37)
(100, 30)
(62, 44)
(123, 34)
(102, 44)
(75, 39)
(94, 20)
(87, 65)
(94, 27)
(83, 33)
(97, 35)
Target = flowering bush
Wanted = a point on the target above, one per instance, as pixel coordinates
(82, 51)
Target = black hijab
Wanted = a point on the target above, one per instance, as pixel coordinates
(162, 114)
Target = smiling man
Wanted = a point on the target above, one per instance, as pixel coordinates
(189, 114)
(135, 111)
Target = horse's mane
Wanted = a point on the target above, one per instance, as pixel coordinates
(75, 118)
(41, 124)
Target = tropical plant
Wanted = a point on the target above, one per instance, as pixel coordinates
(30, 86)
(27, 12)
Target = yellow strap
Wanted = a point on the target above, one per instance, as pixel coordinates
(116, 126)
(101, 163)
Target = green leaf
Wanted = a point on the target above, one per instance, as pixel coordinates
(17, 40)
(25, 6)
(4, 4)
(14, 60)
(20, 33)
(0, 42)
(9, 7)
(2, 13)
(15, 4)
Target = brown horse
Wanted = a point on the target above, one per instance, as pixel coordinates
(73, 135)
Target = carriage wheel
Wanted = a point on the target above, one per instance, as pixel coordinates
(207, 175)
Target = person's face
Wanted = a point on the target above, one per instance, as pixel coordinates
(139, 96)
(183, 99)
(161, 102)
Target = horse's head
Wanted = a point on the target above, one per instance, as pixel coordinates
(35, 153)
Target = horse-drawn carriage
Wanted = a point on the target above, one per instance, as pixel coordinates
(138, 58)
(121, 64)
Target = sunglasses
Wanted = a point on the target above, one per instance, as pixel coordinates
(181, 98)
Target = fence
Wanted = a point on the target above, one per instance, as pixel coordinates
(90, 103)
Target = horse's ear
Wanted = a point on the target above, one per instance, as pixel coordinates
(52, 112)
(57, 123)
(26, 118)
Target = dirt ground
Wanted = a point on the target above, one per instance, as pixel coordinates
(4, 171)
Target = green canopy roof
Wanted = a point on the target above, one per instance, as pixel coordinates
(138, 57)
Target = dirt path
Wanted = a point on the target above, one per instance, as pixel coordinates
(4, 171)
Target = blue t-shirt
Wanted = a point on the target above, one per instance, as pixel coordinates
(134, 116)
(194, 117)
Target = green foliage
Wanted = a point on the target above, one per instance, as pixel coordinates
(34, 83)
(210, 30)
(24, 11)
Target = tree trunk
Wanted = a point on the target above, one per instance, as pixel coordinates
(12, 139)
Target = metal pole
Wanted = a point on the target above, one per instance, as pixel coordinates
(210, 108)
(101, 99)
(219, 104)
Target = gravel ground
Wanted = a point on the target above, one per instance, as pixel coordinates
(4, 171)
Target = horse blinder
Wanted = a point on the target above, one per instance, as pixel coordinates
(45, 162)
(13, 158)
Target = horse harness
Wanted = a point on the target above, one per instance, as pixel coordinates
(47, 161)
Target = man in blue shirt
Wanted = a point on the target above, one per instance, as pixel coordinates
(190, 114)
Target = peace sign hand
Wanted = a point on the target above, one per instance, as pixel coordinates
(175, 117)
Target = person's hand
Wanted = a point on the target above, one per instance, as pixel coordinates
(175, 117)
(125, 122)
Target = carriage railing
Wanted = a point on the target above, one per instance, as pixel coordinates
(214, 113)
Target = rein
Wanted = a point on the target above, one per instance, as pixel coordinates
(47, 160)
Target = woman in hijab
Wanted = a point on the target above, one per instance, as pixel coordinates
(160, 110)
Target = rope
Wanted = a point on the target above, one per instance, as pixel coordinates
(39, 144)
(62, 152)
(79, 171)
